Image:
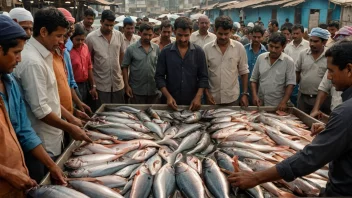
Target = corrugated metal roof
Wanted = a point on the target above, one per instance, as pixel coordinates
(246, 4)
(272, 3)
(293, 3)
(209, 7)
(342, 2)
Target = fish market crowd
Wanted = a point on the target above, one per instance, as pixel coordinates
(55, 72)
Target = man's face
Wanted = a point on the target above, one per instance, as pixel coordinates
(203, 24)
(78, 41)
(332, 31)
(69, 33)
(257, 38)
(146, 36)
(182, 36)
(223, 36)
(316, 44)
(13, 56)
(55, 39)
(297, 35)
(287, 35)
(270, 28)
(88, 20)
(129, 30)
(107, 26)
(27, 26)
(166, 33)
(339, 78)
(275, 49)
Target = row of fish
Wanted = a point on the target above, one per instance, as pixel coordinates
(164, 154)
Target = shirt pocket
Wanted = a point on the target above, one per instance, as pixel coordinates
(280, 77)
(232, 65)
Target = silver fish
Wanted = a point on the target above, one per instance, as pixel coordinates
(202, 144)
(189, 181)
(125, 134)
(187, 143)
(164, 182)
(94, 190)
(177, 115)
(209, 149)
(165, 152)
(214, 179)
(195, 117)
(221, 125)
(155, 128)
(165, 126)
(275, 135)
(154, 164)
(55, 191)
(258, 147)
(255, 192)
(144, 154)
(170, 142)
(86, 160)
(277, 124)
(186, 113)
(126, 172)
(112, 181)
(240, 152)
(93, 149)
(118, 120)
(153, 113)
(164, 114)
(127, 187)
(157, 121)
(221, 119)
(142, 183)
(142, 116)
(118, 114)
(224, 161)
(122, 108)
(224, 114)
(185, 129)
(95, 125)
(194, 163)
(225, 132)
(138, 127)
(99, 136)
(171, 132)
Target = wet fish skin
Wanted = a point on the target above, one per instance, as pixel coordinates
(154, 164)
(255, 192)
(142, 183)
(55, 191)
(138, 127)
(194, 163)
(124, 134)
(99, 136)
(186, 143)
(155, 128)
(279, 125)
(93, 149)
(221, 125)
(142, 116)
(224, 161)
(221, 119)
(127, 109)
(230, 130)
(144, 154)
(164, 126)
(85, 160)
(202, 144)
(188, 181)
(118, 114)
(209, 149)
(170, 142)
(112, 181)
(185, 129)
(94, 190)
(118, 120)
(258, 147)
(127, 187)
(153, 113)
(281, 140)
(214, 179)
(195, 117)
(164, 182)
(126, 172)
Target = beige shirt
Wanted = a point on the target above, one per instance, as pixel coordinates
(198, 39)
(36, 76)
(311, 71)
(326, 86)
(134, 39)
(106, 60)
(294, 51)
(224, 69)
(273, 78)
(330, 42)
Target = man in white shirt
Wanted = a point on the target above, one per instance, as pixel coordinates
(202, 36)
(36, 76)
(226, 59)
(128, 32)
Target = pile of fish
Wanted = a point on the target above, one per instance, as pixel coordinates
(161, 154)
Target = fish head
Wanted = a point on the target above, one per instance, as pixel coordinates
(74, 163)
(252, 163)
(179, 157)
(181, 167)
(82, 151)
(207, 162)
(82, 172)
(220, 155)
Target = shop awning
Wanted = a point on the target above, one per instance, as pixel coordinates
(342, 2)
(293, 3)
(275, 3)
(246, 4)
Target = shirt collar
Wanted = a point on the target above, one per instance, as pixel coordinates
(280, 58)
(198, 34)
(139, 44)
(41, 49)
(215, 43)
(174, 46)
(262, 47)
(7, 78)
(347, 94)
(309, 52)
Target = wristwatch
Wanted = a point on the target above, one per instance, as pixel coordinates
(245, 93)
(94, 86)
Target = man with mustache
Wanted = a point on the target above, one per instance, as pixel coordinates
(88, 21)
(310, 69)
(274, 71)
(226, 60)
(141, 58)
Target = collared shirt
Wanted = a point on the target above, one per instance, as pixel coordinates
(198, 39)
(11, 154)
(16, 109)
(335, 142)
(134, 39)
(252, 57)
(294, 51)
(88, 30)
(36, 76)
(223, 70)
(182, 77)
(157, 41)
(326, 86)
(311, 71)
(142, 66)
(62, 85)
(106, 60)
(81, 63)
(273, 78)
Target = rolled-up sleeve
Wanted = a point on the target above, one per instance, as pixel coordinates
(161, 70)
(33, 82)
(330, 144)
(202, 72)
(255, 73)
(290, 73)
(325, 84)
(127, 59)
(243, 62)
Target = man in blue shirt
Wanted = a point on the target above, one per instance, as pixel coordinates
(253, 50)
(12, 40)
